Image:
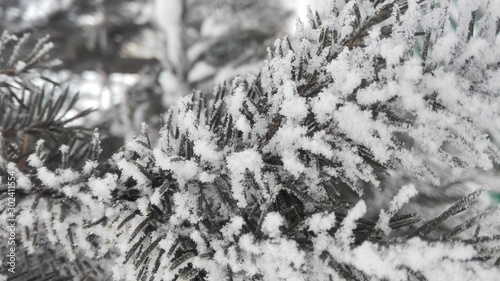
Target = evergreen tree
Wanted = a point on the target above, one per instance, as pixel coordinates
(250, 184)
(205, 43)
(108, 37)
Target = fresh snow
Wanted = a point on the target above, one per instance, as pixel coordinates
(263, 193)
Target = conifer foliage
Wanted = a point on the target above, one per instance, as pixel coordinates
(248, 185)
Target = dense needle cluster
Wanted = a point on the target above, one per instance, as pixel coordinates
(251, 184)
